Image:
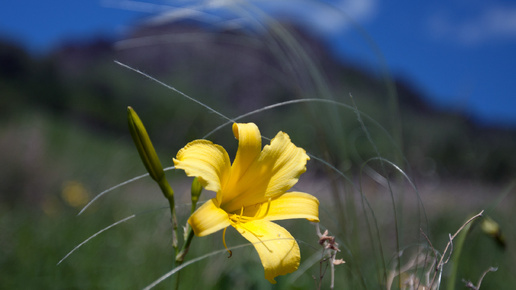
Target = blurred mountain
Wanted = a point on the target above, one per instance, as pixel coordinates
(237, 71)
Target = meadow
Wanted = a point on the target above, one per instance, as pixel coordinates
(395, 178)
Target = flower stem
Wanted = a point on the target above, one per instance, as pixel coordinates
(196, 190)
(169, 194)
(186, 246)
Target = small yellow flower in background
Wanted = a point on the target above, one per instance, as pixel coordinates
(251, 193)
(75, 194)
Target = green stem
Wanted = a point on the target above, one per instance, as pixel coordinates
(186, 246)
(184, 250)
(189, 234)
(169, 194)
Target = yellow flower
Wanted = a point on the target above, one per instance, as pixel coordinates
(251, 193)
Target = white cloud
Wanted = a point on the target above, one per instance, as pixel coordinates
(492, 23)
(359, 9)
(321, 15)
(326, 16)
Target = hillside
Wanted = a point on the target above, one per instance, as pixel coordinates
(236, 72)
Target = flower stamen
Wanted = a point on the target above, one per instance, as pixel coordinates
(224, 242)
(266, 211)
(239, 220)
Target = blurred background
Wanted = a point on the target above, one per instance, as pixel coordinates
(434, 84)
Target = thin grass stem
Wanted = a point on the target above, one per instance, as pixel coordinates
(94, 235)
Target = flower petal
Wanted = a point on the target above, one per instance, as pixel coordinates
(276, 170)
(278, 250)
(249, 147)
(291, 205)
(203, 159)
(208, 219)
(287, 161)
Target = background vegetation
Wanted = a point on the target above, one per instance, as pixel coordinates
(64, 139)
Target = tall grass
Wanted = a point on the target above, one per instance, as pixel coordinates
(375, 236)
(370, 202)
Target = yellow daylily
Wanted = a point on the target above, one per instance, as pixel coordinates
(251, 193)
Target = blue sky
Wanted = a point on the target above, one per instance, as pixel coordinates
(460, 53)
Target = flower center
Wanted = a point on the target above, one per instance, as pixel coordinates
(239, 220)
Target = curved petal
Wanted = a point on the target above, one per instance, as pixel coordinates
(276, 170)
(278, 250)
(208, 219)
(291, 205)
(287, 161)
(205, 160)
(249, 147)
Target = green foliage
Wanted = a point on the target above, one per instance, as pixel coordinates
(65, 124)
(82, 85)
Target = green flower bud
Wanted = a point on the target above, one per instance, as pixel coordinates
(196, 192)
(144, 145)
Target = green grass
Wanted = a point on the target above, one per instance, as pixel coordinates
(36, 235)
(358, 170)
